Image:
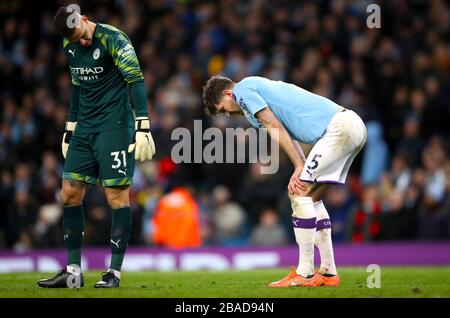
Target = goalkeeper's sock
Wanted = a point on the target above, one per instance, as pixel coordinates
(73, 224)
(120, 235)
(304, 221)
(323, 240)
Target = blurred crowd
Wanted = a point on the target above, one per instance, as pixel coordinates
(395, 77)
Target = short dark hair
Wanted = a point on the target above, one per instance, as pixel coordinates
(212, 93)
(60, 22)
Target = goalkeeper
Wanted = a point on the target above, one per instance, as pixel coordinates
(106, 131)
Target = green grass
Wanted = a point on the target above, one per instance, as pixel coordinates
(395, 282)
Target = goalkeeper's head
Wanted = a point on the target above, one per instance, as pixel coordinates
(74, 26)
(218, 97)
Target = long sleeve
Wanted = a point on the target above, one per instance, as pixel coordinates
(138, 98)
(125, 59)
(72, 115)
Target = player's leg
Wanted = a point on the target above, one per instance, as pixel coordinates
(116, 172)
(79, 170)
(323, 234)
(304, 223)
(118, 199)
(329, 162)
(72, 194)
(327, 274)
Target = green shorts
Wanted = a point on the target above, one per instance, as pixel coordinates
(101, 158)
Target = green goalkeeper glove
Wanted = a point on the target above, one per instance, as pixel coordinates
(68, 131)
(142, 141)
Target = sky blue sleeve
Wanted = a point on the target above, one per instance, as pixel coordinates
(249, 99)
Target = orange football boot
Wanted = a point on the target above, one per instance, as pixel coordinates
(294, 279)
(327, 280)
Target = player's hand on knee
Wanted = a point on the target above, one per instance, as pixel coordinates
(143, 143)
(294, 189)
(296, 186)
(292, 192)
(68, 131)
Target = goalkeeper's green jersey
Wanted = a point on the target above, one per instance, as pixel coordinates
(103, 74)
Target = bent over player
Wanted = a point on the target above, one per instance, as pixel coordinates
(106, 130)
(291, 115)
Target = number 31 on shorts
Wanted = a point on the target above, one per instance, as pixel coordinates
(116, 157)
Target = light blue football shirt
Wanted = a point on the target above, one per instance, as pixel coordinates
(304, 115)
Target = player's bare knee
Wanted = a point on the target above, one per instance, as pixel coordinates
(302, 193)
(319, 191)
(316, 196)
(118, 197)
(72, 192)
(118, 204)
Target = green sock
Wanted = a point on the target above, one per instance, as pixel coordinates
(73, 224)
(120, 235)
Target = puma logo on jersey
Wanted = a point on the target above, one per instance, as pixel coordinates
(116, 243)
(123, 172)
(72, 52)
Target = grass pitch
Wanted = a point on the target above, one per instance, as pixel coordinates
(395, 282)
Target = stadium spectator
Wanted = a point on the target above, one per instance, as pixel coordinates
(341, 205)
(375, 157)
(268, 232)
(411, 143)
(176, 220)
(228, 219)
(365, 221)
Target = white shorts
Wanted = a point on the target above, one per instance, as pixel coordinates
(331, 157)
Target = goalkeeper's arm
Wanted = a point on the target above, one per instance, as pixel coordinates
(125, 59)
(143, 143)
(72, 118)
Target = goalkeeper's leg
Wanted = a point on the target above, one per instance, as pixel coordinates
(72, 194)
(118, 199)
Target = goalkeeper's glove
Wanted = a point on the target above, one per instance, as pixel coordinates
(68, 131)
(142, 140)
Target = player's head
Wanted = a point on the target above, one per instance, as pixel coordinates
(73, 26)
(218, 97)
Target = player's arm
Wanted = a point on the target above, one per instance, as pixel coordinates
(299, 149)
(72, 115)
(256, 105)
(125, 59)
(72, 118)
(279, 133)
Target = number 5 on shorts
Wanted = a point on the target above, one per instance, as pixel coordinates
(314, 162)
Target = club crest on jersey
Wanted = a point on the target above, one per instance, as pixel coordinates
(243, 105)
(96, 54)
